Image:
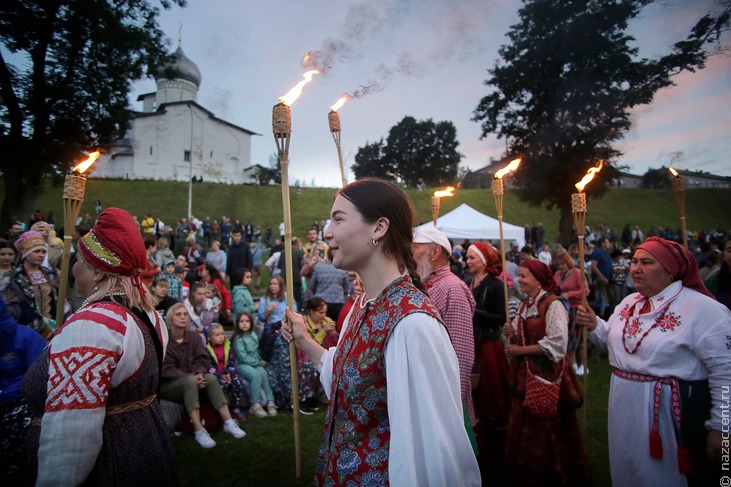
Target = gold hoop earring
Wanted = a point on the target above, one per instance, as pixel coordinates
(375, 242)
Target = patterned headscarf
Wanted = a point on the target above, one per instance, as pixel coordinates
(28, 242)
(678, 261)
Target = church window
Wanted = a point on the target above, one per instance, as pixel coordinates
(186, 155)
(150, 150)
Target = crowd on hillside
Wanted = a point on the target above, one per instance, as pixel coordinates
(200, 276)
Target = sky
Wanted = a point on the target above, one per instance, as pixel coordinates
(420, 58)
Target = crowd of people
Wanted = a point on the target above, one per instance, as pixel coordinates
(438, 366)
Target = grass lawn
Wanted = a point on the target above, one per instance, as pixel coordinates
(265, 457)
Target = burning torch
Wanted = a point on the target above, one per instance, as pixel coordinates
(497, 194)
(436, 202)
(680, 200)
(282, 128)
(578, 209)
(334, 119)
(73, 196)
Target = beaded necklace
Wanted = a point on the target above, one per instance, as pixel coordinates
(625, 330)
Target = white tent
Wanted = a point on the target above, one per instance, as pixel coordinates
(464, 222)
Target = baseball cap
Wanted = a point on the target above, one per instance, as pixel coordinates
(432, 235)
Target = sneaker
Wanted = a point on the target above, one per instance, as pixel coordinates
(307, 411)
(258, 411)
(580, 370)
(233, 429)
(271, 409)
(238, 415)
(204, 439)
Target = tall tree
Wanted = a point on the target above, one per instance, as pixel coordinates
(65, 74)
(563, 90)
(414, 150)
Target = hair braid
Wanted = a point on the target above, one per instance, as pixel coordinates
(410, 265)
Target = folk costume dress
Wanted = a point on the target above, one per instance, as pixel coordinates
(682, 339)
(395, 413)
(97, 420)
(544, 451)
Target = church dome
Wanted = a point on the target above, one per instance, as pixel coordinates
(183, 68)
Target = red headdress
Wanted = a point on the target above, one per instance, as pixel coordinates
(115, 247)
(489, 256)
(542, 273)
(678, 261)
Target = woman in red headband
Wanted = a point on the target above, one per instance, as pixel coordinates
(93, 391)
(492, 396)
(669, 345)
(544, 446)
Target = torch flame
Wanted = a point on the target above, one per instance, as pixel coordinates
(589, 175)
(510, 167)
(445, 192)
(340, 102)
(674, 172)
(307, 57)
(295, 92)
(83, 166)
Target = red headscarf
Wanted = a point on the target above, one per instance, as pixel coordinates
(489, 256)
(115, 247)
(542, 273)
(678, 261)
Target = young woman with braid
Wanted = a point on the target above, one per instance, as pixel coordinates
(395, 413)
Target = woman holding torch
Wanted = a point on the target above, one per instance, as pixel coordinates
(395, 413)
(669, 345)
(93, 391)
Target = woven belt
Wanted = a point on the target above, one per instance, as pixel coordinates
(685, 465)
(114, 410)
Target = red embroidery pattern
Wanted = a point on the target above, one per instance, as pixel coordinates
(626, 312)
(633, 329)
(79, 378)
(668, 322)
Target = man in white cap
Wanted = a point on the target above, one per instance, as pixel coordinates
(452, 298)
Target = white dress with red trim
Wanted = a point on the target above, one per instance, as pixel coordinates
(685, 336)
(94, 392)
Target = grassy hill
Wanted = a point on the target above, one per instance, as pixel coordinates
(262, 205)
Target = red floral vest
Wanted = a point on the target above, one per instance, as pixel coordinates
(356, 438)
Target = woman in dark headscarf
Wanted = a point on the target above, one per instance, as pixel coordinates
(542, 450)
(94, 390)
(669, 346)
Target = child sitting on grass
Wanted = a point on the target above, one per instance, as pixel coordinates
(223, 366)
(246, 349)
(242, 302)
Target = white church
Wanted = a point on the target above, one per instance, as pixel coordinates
(174, 138)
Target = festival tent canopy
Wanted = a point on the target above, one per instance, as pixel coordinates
(464, 222)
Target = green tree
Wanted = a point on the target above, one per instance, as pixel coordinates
(66, 70)
(370, 162)
(413, 150)
(563, 89)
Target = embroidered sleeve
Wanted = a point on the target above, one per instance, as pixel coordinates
(93, 352)
(557, 331)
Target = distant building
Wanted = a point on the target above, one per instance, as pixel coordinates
(700, 179)
(174, 138)
(627, 180)
(482, 178)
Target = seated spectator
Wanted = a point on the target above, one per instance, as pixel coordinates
(242, 302)
(251, 366)
(159, 290)
(175, 284)
(185, 376)
(223, 366)
(200, 310)
(210, 275)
